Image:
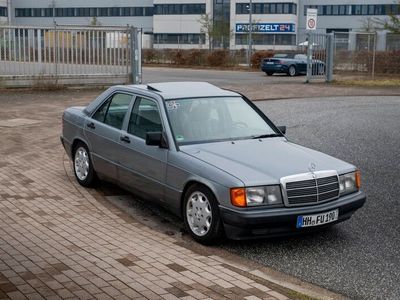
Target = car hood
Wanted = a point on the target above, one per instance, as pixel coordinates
(264, 161)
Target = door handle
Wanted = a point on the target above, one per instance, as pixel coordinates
(91, 125)
(125, 139)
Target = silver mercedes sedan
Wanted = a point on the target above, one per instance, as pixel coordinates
(212, 157)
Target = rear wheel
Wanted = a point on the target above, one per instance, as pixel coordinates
(201, 214)
(83, 167)
(292, 71)
(269, 73)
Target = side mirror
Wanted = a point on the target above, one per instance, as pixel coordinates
(156, 139)
(282, 129)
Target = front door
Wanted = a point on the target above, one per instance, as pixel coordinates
(143, 167)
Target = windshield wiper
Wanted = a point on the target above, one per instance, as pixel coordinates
(262, 136)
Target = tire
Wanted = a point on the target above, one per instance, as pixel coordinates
(269, 73)
(292, 71)
(83, 167)
(201, 215)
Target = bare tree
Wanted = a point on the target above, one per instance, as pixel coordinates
(369, 25)
(207, 27)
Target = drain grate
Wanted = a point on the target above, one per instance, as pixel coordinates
(17, 122)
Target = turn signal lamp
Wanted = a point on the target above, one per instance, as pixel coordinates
(238, 197)
(358, 179)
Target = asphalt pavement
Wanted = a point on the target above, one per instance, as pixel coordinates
(358, 258)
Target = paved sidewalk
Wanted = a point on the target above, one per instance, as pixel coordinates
(59, 240)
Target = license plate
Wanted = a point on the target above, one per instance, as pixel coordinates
(270, 63)
(318, 219)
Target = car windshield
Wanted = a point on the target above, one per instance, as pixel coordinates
(283, 55)
(203, 120)
(301, 56)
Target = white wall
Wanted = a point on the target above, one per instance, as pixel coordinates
(179, 24)
(176, 24)
(3, 3)
(144, 22)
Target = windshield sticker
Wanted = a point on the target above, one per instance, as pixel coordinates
(172, 105)
(180, 138)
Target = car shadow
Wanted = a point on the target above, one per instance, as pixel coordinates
(162, 220)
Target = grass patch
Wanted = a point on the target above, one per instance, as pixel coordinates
(378, 82)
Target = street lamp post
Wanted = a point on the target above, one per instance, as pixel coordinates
(250, 32)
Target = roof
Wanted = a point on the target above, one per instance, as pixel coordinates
(168, 90)
(185, 89)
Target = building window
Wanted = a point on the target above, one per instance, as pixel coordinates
(23, 12)
(342, 10)
(48, 12)
(115, 12)
(267, 8)
(148, 11)
(355, 10)
(179, 9)
(103, 12)
(175, 38)
(3, 11)
(37, 12)
(267, 39)
(83, 12)
(392, 42)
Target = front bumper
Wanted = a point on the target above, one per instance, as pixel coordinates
(254, 223)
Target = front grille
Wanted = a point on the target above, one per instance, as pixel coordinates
(323, 188)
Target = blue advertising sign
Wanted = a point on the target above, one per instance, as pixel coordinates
(266, 27)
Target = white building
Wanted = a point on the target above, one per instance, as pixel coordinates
(277, 24)
(347, 17)
(177, 25)
(138, 13)
(4, 11)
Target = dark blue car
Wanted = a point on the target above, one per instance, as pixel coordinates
(291, 64)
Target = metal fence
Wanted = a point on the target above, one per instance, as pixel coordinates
(67, 54)
(366, 53)
(319, 56)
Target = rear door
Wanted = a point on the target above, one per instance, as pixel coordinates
(103, 131)
(143, 167)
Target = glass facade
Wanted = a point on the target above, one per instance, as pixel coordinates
(267, 8)
(267, 39)
(179, 9)
(182, 38)
(85, 12)
(221, 20)
(356, 10)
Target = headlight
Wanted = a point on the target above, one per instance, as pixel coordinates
(257, 196)
(349, 183)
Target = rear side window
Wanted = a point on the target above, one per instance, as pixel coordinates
(145, 118)
(113, 111)
(101, 112)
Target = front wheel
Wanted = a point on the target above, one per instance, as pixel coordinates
(269, 73)
(201, 214)
(292, 71)
(83, 168)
